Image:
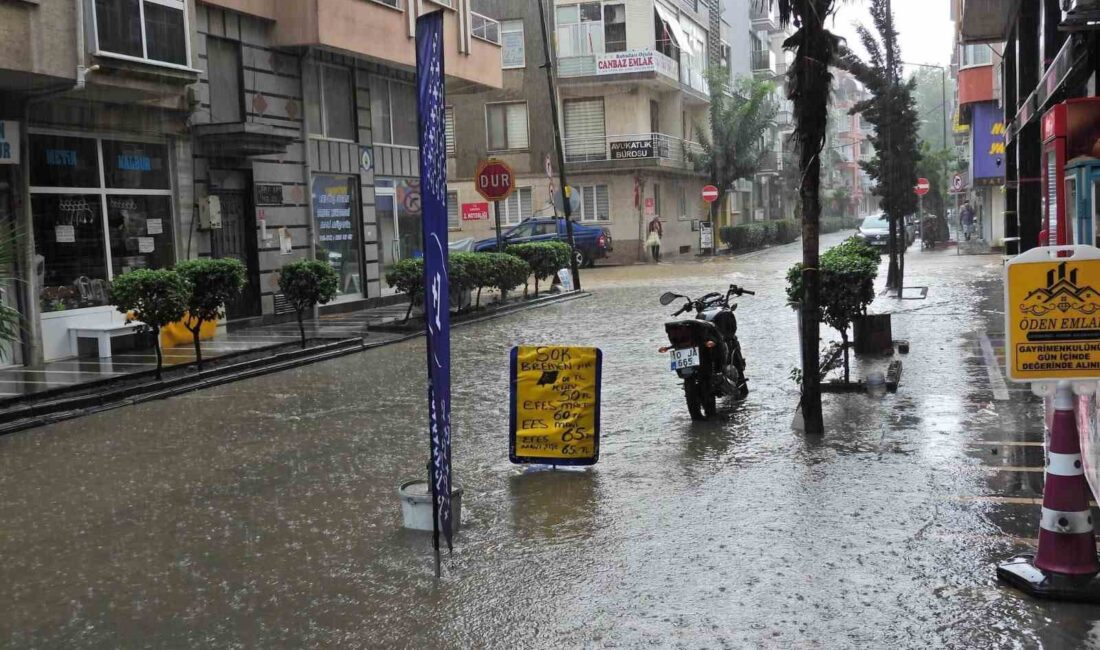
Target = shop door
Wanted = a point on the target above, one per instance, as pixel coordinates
(237, 239)
(10, 350)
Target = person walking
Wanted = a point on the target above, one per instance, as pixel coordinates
(966, 219)
(653, 239)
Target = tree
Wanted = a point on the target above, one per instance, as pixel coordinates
(212, 283)
(741, 114)
(929, 93)
(306, 283)
(808, 86)
(508, 272)
(544, 258)
(407, 276)
(156, 298)
(892, 111)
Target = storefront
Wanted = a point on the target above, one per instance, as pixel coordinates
(339, 231)
(100, 206)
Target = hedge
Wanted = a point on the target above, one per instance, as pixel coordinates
(758, 234)
(465, 272)
(544, 258)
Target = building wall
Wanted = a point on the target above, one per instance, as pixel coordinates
(37, 42)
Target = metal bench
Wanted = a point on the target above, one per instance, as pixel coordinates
(103, 335)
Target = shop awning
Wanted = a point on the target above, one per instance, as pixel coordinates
(672, 25)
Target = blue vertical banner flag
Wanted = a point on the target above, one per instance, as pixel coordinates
(437, 308)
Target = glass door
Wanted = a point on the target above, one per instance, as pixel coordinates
(10, 350)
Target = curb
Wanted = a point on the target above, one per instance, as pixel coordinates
(40, 414)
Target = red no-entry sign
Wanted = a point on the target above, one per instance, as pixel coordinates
(710, 193)
(494, 180)
(922, 187)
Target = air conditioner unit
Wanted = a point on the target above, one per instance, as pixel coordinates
(1078, 15)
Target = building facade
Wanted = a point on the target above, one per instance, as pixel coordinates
(155, 131)
(632, 94)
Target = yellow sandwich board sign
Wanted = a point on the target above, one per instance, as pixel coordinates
(1052, 314)
(555, 405)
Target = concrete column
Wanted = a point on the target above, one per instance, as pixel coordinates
(1029, 140)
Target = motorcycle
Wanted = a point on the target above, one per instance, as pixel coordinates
(705, 351)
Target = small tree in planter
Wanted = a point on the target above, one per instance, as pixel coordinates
(407, 276)
(544, 258)
(506, 272)
(848, 273)
(157, 298)
(212, 283)
(306, 283)
(479, 268)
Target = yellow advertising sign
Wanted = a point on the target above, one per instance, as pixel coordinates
(555, 405)
(1052, 314)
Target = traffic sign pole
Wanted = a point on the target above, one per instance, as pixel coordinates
(500, 239)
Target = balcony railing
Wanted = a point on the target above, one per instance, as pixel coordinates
(485, 28)
(762, 61)
(628, 148)
(613, 63)
(763, 17)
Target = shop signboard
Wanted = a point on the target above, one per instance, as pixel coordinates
(988, 138)
(555, 405)
(631, 149)
(706, 236)
(475, 211)
(9, 142)
(1052, 314)
(269, 194)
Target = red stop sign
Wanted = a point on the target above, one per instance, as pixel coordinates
(494, 180)
(710, 193)
(922, 187)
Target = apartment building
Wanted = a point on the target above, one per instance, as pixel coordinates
(773, 195)
(632, 94)
(151, 131)
(847, 145)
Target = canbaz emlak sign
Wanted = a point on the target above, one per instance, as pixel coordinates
(627, 62)
(9, 142)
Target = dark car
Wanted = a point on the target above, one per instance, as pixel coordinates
(875, 230)
(592, 242)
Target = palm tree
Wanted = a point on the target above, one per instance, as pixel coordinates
(808, 85)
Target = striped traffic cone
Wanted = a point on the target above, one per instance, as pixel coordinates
(1065, 566)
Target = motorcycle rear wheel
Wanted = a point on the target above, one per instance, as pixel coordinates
(701, 402)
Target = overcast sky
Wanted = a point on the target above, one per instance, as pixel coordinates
(925, 28)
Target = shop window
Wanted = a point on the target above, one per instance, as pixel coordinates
(58, 161)
(516, 207)
(330, 102)
(454, 220)
(70, 258)
(135, 165)
(155, 30)
(595, 203)
(337, 232)
(507, 126)
(393, 112)
(77, 249)
(223, 72)
(512, 46)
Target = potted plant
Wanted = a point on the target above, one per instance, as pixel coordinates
(156, 298)
(307, 283)
(212, 283)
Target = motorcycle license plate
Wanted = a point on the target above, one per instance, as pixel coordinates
(685, 358)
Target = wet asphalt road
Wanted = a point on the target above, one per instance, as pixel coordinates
(264, 513)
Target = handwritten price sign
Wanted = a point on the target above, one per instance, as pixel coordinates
(555, 405)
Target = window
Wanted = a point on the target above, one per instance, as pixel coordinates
(393, 112)
(223, 71)
(335, 208)
(507, 126)
(595, 203)
(87, 231)
(330, 102)
(512, 53)
(976, 55)
(517, 207)
(580, 29)
(155, 30)
(449, 130)
(584, 130)
(454, 221)
(614, 27)
(396, 4)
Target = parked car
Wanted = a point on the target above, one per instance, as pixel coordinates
(592, 242)
(875, 230)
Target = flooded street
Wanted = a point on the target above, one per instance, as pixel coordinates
(264, 513)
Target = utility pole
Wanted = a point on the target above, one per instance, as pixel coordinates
(566, 198)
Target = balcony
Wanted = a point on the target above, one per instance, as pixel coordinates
(630, 151)
(770, 163)
(610, 66)
(762, 62)
(764, 17)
